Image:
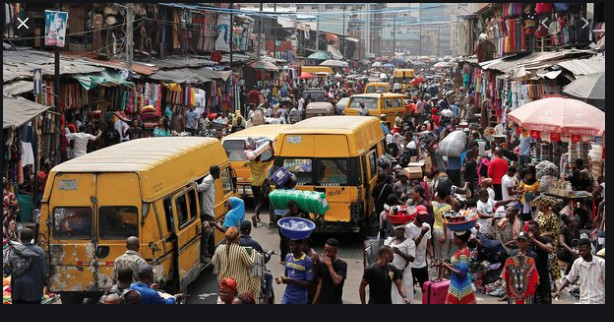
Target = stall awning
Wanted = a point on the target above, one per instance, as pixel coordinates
(104, 78)
(181, 75)
(264, 65)
(16, 111)
(18, 87)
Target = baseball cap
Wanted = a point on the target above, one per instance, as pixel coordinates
(421, 210)
(523, 235)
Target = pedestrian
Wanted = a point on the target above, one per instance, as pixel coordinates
(121, 125)
(293, 211)
(470, 171)
(589, 271)
(148, 294)
(298, 273)
(234, 217)
(362, 110)
(258, 169)
(124, 279)
(542, 247)
(440, 232)
(453, 169)
(254, 96)
(81, 139)
(227, 291)
(486, 208)
(10, 209)
(130, 259)
(28, 269)
(191, 120)
(508, 228)
(550, 226)
(234, 261)
(524, 155)
(529, 187)
(163, 128)
(380, 277)
(404, 252)
(419, 230)
(207, 203)
(110, 299)
(508, 183)
(520, 273)
(569, 233)
(332, 273)
(487, 184)
(178, 121)
(244, 298)
(135, 131)
(496, 170)
(110, 136)
(247, 241)
(459, 291)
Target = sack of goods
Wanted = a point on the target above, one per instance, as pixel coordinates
(281, 176)
(309, 201)
(546, 168)
(453, 144)
(256, 147)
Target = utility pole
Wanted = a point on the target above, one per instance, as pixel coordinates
(56, 90)
(259, 50)
(275, 40)
(394, 34)
(231, 36)
(129, 34)
(368, 30)
(344, 40)
(420, 22)
(318, 27)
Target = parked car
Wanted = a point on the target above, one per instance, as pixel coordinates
(340, 106)
(319, 109)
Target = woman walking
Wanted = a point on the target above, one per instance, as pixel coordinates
(460, 291)
(232, 260)
(404, 250)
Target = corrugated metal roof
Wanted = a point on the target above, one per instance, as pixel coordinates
(534, 61)
(17, 111)
(182, 75)
(583, 67)
(21, 63)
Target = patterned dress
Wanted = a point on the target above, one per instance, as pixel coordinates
(549, 225)
(460, 291)
(10, 208)
(521, 279)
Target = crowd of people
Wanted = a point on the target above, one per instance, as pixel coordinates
(519, 228)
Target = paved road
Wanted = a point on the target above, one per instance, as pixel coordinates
(204, 290)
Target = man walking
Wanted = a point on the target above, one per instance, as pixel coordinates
(420, 231)
(332, 272)
(27, 281)
(81, 139)
(191, 120)
(148, 294)
(130, 259)
(379, 277)
(496, 170)
(298, 273)
(589, 271)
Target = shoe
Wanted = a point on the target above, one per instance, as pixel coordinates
(254, 221)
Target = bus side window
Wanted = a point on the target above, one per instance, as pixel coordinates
(168, 213)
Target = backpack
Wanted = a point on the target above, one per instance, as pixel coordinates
(18, 258)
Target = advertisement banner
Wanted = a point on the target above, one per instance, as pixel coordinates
(55, 28)
(223, 33)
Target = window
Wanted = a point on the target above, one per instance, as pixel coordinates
(168, 212)
(328, 7)
(332, 172)
(181, 206)
(72, 223)
(192, 198)
(370, 102)
(235, 150)
(394, 102)
(373, 162)
(301, 168)
(118, 222)
(226, 181)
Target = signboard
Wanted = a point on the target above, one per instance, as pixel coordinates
(223, 33)
(37, 78)
(55, 28)
(68, 185)
(294, 139)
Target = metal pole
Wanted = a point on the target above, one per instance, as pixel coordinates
(258, 53)
(344, 40)
(56, 90)
(275, 25)
(232, 77)
(129, 34)
(318, 27)
(394, 34)
(420, 22)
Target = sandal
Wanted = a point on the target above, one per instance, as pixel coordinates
(254, 221)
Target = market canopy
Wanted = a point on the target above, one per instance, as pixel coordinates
(181, 75)
(18, 87)
(377, 64)
(389, 65)
(590, 88)
(103, 78)
(319, 55)
(306, 75)
(560, 115)
(17, 111)
(334, 63)
(264, 65)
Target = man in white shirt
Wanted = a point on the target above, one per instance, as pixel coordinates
(508, 182)
(121, 125)
(420, 231)
(589, 270)
(396, 87)
(81, 139)
(362, 110)
(486, 211)
(301, 104)
(207, 203)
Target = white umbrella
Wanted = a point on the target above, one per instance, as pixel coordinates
(377, 64)
(334, 63)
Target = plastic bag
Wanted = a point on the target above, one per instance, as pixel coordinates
(454, 144)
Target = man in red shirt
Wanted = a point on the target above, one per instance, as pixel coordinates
(254, 96)
(411, 107)
(496, 170)
(435, 117)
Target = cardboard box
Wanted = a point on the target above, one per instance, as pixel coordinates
(413, 172)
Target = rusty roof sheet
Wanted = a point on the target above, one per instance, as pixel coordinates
(583, 67)
(534, 61)
(20, 65)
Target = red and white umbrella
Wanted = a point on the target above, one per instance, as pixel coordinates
(306, 75)
(566, 116)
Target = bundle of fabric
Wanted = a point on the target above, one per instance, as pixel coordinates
(546, 168)
(149, 114)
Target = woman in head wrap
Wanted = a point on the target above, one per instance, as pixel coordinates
(234, 217)
(244, 298)
(460, 291)
(232, 260)
(550, 227)
(228, 291)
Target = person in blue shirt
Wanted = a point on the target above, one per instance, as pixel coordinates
(234, 217)
(148, 294)
(453, 170)
(298, 274)
(454, 109)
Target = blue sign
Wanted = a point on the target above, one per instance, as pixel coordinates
(37, 78)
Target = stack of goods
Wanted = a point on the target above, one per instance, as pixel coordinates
(596, 155)
(255, 147)
(309, 201)
(579, 151)
(150, 117)
(453, 144)
(401, 215)
(461, 221)
(546, 152)
(6, 290)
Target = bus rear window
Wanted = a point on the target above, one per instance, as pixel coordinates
(332, 172)
(235, 150)
(72, 223)
(118, 222)
(301, 168)
(370, 102)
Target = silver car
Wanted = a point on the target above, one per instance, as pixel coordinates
(340, 106)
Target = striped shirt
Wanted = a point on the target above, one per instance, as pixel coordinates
(237, 263)
(591, 277)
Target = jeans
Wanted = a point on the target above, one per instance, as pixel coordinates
(522, 160)
(498, 192)
(258, 199)
(268, 284)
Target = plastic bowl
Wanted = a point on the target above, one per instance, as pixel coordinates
(284, 224)
(398, 220)
(461, 226)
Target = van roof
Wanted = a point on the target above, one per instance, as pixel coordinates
(153, 159)
(362, 132)
(265, 130)
(377, 95)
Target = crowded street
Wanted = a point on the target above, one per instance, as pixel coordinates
(310, 153)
